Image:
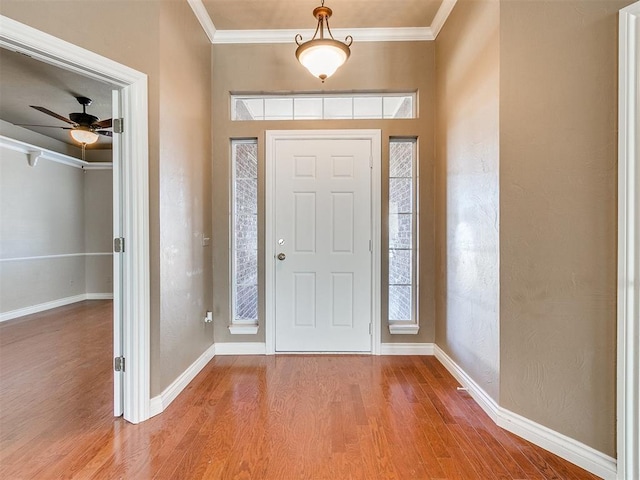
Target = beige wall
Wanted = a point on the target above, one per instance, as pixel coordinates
(46, 210)
(273, 68)
(546, 71)
(467, 153)
(98, 230)
(163, 40)
(185, 189)
(558, 110)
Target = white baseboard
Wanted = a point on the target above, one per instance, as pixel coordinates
(99, 296)
(161, 402)
(61, 302)
(482, 398)
(241, 348)
(571, 450)
(406, 349)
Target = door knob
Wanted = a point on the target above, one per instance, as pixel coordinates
(281, 256)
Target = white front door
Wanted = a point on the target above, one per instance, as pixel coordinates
(321, 240)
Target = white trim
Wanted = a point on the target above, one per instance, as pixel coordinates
(21, 38)
(60, 255)
(441, 16)
(381, 34)
(271, 138)
(99, 296)
(404, 328)
(241, 348)
(161, 402)
(406, 34)
(243, 329)
(628, 390)
(571, 450)
(407, 349)
(35, 154)
(481, 397)
(61, 302)
(204, 18)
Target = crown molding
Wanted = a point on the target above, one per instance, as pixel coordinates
(441, 16)
(204, 18)
(405, 34)
(413, 34)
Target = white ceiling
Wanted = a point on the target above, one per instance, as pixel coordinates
(25, 81)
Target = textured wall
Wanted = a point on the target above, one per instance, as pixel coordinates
(558, 215)
(52, 209)
(98, 232)
(184, 188)
(138, 42)
(467, 158)
(394, 66)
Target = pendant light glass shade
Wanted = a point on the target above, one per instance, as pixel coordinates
(322, 56)
(84, 135)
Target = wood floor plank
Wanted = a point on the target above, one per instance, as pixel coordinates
(284, 417)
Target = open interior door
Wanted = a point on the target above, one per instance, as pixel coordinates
(118, 244)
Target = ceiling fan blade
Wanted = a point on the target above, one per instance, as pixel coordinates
(106, 133)
(108, 123)
(52, 114)
(42, 126)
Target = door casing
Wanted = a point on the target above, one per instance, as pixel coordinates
(271, 140)
(134, 194)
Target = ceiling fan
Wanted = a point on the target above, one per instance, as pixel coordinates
(85, 128)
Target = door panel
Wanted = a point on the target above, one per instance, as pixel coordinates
(118, 350)
(322, 227)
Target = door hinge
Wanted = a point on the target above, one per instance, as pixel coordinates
(118, 125)
(118, 245)
(370, 246)
(370, 162)
(369, 329)
(118, 364)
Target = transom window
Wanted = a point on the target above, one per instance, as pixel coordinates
(323, 107)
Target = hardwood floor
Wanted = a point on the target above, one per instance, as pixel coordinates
(258, 417)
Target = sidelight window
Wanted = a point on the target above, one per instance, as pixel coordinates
(402, 297)
(244, 236)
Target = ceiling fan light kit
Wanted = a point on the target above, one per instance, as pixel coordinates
(84, 135)
(322, 56)
(84, 128)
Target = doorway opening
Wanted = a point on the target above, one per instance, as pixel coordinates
(131, 166)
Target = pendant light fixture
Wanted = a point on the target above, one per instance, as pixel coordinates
(322, 56)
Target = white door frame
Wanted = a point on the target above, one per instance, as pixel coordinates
(134, 195)
(272, 137)
(629, 244)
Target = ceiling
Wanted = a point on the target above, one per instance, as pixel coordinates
(25, 81)
(297, 14)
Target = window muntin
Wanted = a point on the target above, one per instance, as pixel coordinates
(323, 107)
(402, 236)
(244, 232)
